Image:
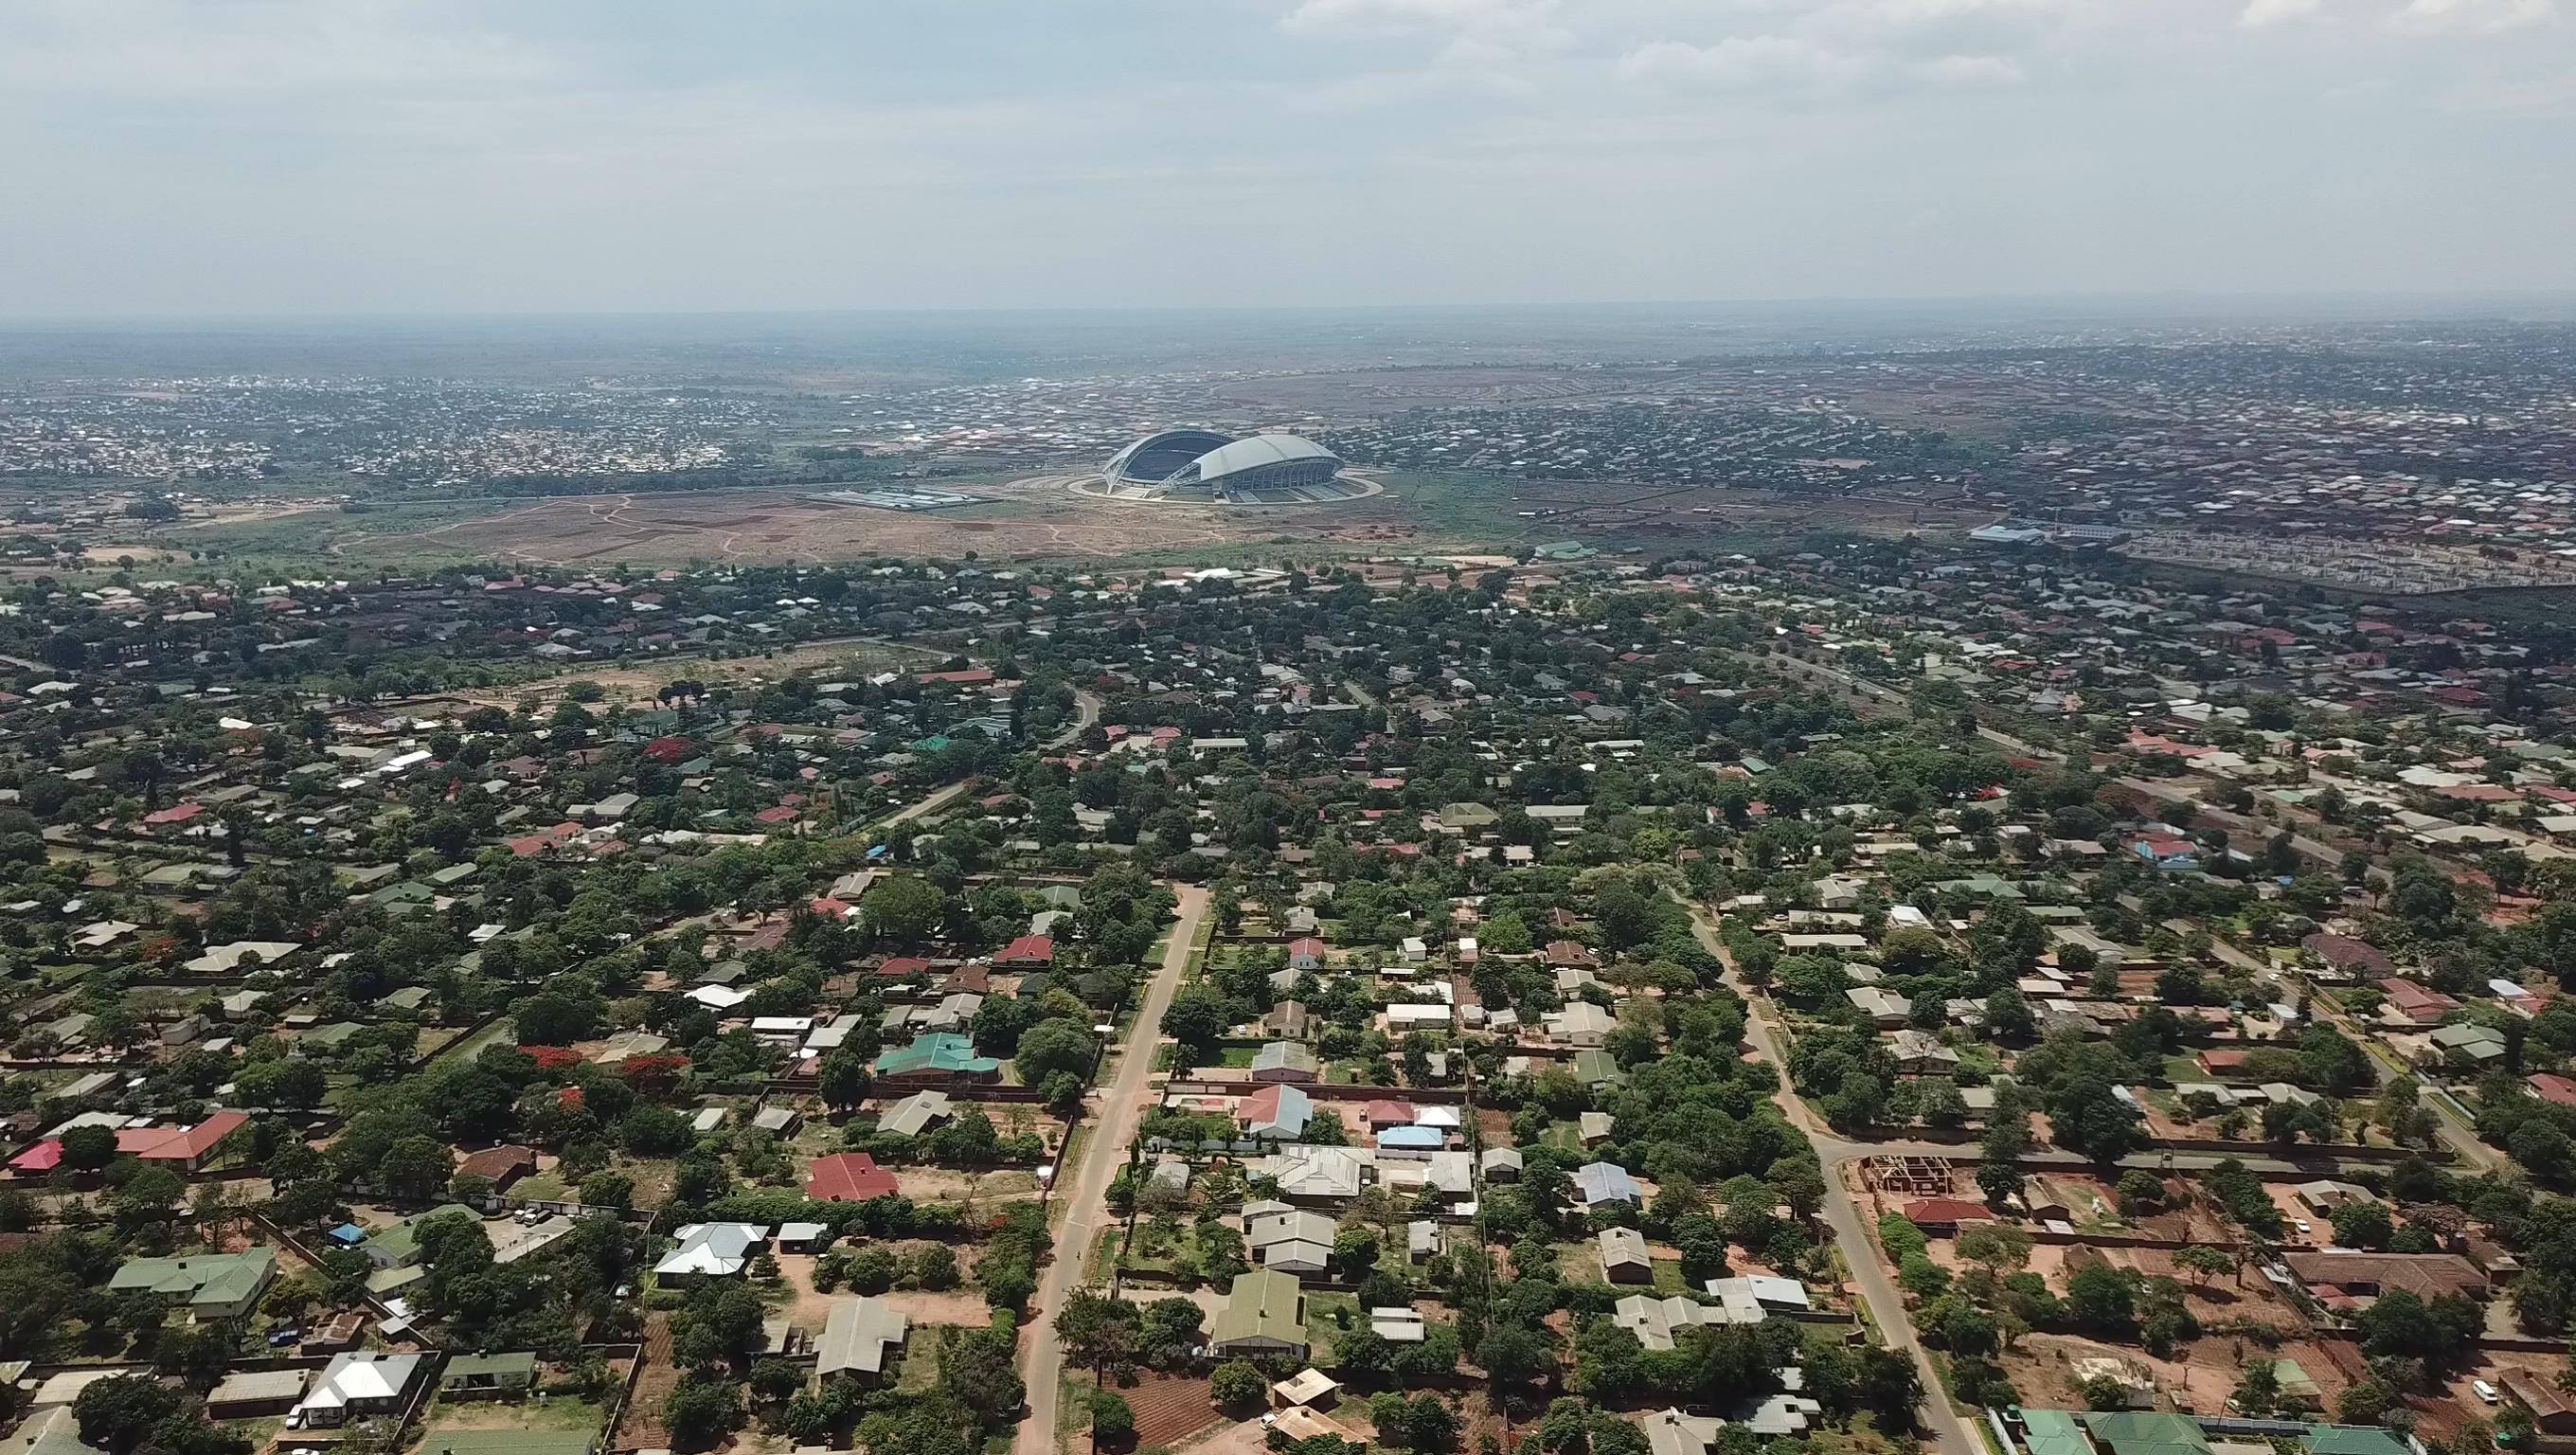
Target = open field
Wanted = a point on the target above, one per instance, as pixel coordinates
(1029, 518)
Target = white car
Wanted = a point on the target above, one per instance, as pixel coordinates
(2484, 1390)
(2303, 1225)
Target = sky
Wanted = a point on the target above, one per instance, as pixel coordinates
(359, 157)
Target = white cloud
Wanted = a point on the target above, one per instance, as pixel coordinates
(2259, 14)
(1740, 62)
(2474, 16)
(1975, 70)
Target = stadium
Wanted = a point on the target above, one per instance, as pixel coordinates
(1203, 466)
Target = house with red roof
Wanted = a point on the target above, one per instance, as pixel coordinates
(1946, 1214)
(849, 1177)
(2551, 1087)
(2418, 1003)
(173, 816)
(1027, 950)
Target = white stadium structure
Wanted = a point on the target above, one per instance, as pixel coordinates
(1202, 465)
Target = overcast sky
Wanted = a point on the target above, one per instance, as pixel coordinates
(359, 156)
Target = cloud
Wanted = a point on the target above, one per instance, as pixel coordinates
(1975, 71)
(1741, 62)
(2474, 16)
(2259, 14)
(1416, 15)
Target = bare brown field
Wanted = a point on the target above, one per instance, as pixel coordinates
(1026, 520)
(1169, 1409)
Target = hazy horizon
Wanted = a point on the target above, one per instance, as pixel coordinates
(364, 158)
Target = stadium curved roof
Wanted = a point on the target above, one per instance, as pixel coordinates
(1254, 451)
(1199, 457)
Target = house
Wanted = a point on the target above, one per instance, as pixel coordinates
(1751, 1298)
(803, 1237)
(358, 1384)
(1885, 1008)
(1306, 953)
(1286, 1061)
(2342, 1279)
(1597, 1184)
(712, 1250)
(1944, 1216)
(2420, 1004)
(937, 1056)
(1315, 1174)
(2552, 1088)
(1413, 1143)
(1670, 1432)
(1277, 1112)
(2552, 1411)
(210, 1286)
(849, 1177)
(1502, 1164)
(2324, 1195)
(1290, 1241)
(916, 1114)
(2167, 853)
(1580, 1023)
(1659, 1323)
(1264, 1313)
(500, 1166)
(1623, 1256)
(1399, 1325)
(1029, 950)
(858, 1336)
(2467, 1045)
(250, 1393)
(1311, 1388)
(487, 1376)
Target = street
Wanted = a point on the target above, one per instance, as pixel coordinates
(1120, 1109)
(1886, 1304)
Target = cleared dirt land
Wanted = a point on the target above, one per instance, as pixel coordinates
(1025, 519)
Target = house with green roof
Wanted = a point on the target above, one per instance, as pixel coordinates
(1264, 1313)
(208, 1285)
(2054, 1432)
(938, 1056)
(2143, 1432)
(487, 1376)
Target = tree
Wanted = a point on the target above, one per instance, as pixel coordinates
(416, 1166)
(1995, 1247)
(2103, 1301)
(2259, 1393)
(975, 1366)
(905, 909)
(1512, 1354)
(2203, 1261)
(701, 1410)
(88, 1149)
(117, 1413)
(1198, 1017)
(1056, 1047)
(1112, 1421)
(1239, 1385)
(844, 1078)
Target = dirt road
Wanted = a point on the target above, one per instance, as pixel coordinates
(1120, 1108)
(1886, 1305)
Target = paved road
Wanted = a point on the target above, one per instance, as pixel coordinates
(1886, 1305)
(1121, 1109)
